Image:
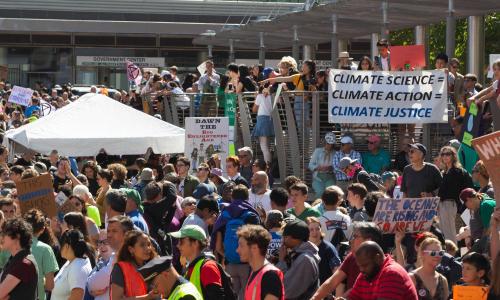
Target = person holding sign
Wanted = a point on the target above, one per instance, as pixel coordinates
(475, 269)
(429, 283)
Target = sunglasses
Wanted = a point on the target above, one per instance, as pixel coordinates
(102, 242)
(446, 154)
(434, 253)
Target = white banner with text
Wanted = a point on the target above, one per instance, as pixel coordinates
(387, 97)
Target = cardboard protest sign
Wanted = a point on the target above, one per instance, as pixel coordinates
(467, 292)
(37, 193)
(472, 122)
(205, 137)
(133, 73)
(20, 95)
(387, 97)
(488, 149)
(410, 214)
(407, 58)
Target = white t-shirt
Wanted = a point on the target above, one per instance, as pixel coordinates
(71, 276)
(333, 220)
(263, 200)
(385, 63)
(265, 104)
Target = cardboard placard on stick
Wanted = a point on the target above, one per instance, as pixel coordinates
(37, 193)
(488, 149)
(464, 292)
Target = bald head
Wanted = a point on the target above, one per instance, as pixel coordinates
(370, 258)
(260, 182)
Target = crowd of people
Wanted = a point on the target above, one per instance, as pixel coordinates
(167, 227)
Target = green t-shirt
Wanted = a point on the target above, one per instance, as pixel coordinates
(376, 163)
(4, 258)
(467, 157)
(308, 212)
(46, 261)
(485, 210)
(93, 213)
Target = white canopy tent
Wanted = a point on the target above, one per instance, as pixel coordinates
(95, 122)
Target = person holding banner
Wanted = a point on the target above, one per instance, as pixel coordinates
(455, 179)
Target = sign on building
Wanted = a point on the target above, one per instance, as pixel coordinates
(120, 61)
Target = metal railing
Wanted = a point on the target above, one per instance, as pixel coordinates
(299, 131)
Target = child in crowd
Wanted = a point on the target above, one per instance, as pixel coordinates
(475, 269)
(332, 219)
(274, 223)
(356, 194)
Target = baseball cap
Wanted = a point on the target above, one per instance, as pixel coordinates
(330, 138)
(164, 73)
(420, 147)
(455, 144)
(154, 267)
(374, 138)
(345, 162)
(202, 190)
(466, 194)
(346, 140)
(191, 231)
(297, 229)
(267, 71)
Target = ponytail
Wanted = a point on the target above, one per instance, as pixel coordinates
(74, 238)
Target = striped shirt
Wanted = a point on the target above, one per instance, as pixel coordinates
(392, 282)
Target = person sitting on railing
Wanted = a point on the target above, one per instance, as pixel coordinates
(264, 129)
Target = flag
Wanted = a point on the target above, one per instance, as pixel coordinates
(46, 108)
(133, 73)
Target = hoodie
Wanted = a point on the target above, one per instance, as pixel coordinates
(301, 278)
(235, 209)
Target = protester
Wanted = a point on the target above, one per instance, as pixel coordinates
(206, 213)
(346, 144)
(301, 273)
(356, 194)
(376, 160)
(233, 171)
(98, 280)
(476, 269)
(330, 260)
(264, 129)
(259, 193)
(203, 271)
(265, 280)
(335, 225)
(380, 276)
(135, 252)
(134, 209)
(187, 183)
(354, 170)
(299, 194)
(71, 280)
(245, 155)
(321, 164)
(383, 60)
(420, 179)
(19, 276)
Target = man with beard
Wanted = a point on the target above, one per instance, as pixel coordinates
(380, 276)
(260, 194)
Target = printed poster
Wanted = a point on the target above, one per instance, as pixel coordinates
(206, 136)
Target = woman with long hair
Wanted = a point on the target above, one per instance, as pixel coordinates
(303, 81)
(76, 220)
(90, 170)
(455, 179)
(365, 64)
(71, 280)
(135, 252)
(104, 178)
(43, 253)
(119, 176)
(245, 81)
(429, 283)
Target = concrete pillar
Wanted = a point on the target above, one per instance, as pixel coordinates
(385, 21)
(475, 46)
(309, 52)
(335, 41)
(231, 50)
(262, 49)
(375, 37)
(342, 45)
(421, 38)
(451, 26)
(295, 45)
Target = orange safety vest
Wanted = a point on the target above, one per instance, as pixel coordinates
(252, 289)
(134, 283)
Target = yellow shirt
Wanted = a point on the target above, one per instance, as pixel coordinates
(299, 84)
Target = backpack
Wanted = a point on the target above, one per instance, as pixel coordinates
(230, 237)
(227, 286)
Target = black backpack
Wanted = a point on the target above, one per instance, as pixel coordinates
(229, 293)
